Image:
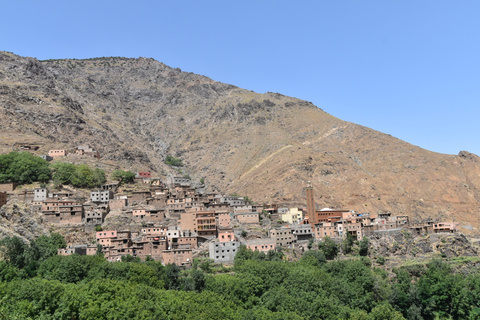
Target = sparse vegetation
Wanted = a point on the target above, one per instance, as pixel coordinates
(173, 162)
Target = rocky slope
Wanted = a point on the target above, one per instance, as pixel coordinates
(266, 146)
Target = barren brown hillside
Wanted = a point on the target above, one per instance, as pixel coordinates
(266, 146)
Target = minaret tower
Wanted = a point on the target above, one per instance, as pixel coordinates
(310, 204)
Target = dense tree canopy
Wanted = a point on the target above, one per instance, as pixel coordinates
(81, 175)
(23, 167)
(263, 286)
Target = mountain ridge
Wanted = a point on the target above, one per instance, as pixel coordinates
(136, 111)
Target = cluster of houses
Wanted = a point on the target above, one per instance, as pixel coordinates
(171, 221)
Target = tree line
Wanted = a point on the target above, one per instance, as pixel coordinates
(43, 285)
(24, 168)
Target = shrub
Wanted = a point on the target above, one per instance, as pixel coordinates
(173, 162)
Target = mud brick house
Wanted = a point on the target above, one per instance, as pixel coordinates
(233, 201)
(88, 151)
(150, 247)
(83, 249)
(219, 207)
(355, 229)
(184, 242)
(154, 231)
(223, 219)
(176, 205)
(326, 229)
(3, 199)
(57, 153)
(247, 217)
(8, 187)
(223, 252)
(148, 215)
(242, 208)
(263, 245)
(140, 195)
(139, 214)
(181, 257)
(62, 211)
(117, 204)
(104, 237)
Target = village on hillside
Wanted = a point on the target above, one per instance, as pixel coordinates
(173, 222)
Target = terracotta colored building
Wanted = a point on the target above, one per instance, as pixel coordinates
(62, 211)
(263, 245)
(8, 187)
(181, 257)
(201, 222)
(226, 235)
(247, 217)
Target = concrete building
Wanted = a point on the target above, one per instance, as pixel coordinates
(223, 252)
(292, 216)
(283, 236)
(101, 196)
(178, 181)
(40, 194)
(301, 232)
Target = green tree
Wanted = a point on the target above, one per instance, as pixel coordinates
(63, 172)
(172, 277)
(123, 176)
(329, 247)
(313, 257)
(44, 247)
(13, 249)
(363, 246)
(348, 243)
(23, 167)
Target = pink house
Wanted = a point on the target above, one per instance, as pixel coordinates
(57, 153)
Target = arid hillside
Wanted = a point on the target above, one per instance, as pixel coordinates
(266, 146)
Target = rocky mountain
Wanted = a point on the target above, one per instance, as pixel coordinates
(266, 146)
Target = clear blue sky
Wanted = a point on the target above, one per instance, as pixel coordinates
(407, 68)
